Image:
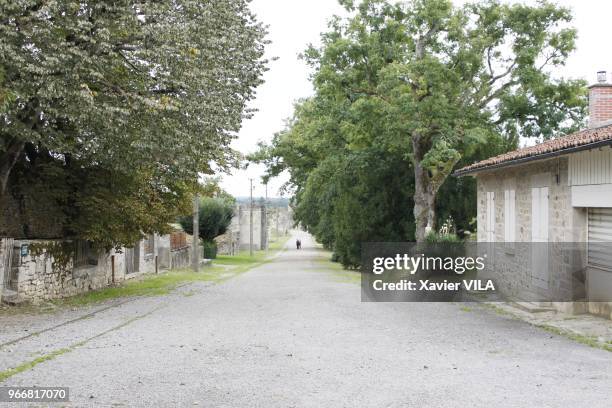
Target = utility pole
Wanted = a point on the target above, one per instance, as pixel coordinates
(251, 222)
(196, 234)
(265, 220)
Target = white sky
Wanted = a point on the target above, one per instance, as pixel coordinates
(296, 23)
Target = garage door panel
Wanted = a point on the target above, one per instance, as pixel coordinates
(600, 238)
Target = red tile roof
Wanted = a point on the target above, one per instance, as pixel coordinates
(561, 145)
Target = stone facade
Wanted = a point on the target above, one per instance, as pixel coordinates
(40, 278)
(514, 264)
(228, 243)
(566, 223)
(567, 235)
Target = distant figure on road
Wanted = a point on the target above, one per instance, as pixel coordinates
(298, 244)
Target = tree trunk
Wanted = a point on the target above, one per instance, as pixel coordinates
(424, 204)
(7, 162)
(424, 194)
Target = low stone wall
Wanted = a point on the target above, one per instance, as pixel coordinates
(41, 277)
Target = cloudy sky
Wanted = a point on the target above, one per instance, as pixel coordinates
(295, 23)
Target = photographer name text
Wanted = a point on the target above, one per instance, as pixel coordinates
(430, 286)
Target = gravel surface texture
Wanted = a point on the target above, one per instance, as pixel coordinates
(293, 333)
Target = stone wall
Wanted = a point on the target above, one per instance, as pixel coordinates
(164, 252)
(41, 278)
(514, 264)
(567, 224)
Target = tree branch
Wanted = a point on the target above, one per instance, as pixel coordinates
(420, 42)
(504, 74)
(496, 94)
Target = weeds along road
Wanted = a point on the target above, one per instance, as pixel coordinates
(293, 333)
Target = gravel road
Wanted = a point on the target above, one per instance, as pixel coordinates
(292, 334)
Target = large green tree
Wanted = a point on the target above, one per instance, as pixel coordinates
(449, 76)
(130, 100)
(431, 85)
(355, 186)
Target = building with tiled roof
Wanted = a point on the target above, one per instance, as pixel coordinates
(533, 199)
(584, 140)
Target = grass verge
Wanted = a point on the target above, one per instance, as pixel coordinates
(223, 268)
(278, 242)
(337, 270)
(579, 338)
(148, 285)
(590, 341)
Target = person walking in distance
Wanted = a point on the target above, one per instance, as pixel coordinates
(298, 244)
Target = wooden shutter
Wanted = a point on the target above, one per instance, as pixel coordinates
(509, 216)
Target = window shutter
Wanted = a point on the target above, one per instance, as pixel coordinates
(509, 216)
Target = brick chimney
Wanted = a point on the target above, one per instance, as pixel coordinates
(600, 101)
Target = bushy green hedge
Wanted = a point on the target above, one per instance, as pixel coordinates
(210, 250)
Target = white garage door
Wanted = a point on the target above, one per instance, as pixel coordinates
(600, 238)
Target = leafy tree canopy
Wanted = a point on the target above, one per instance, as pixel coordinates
(129, 102)
(215, 217)
(429, 85)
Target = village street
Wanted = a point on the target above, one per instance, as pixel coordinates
(294, 333)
